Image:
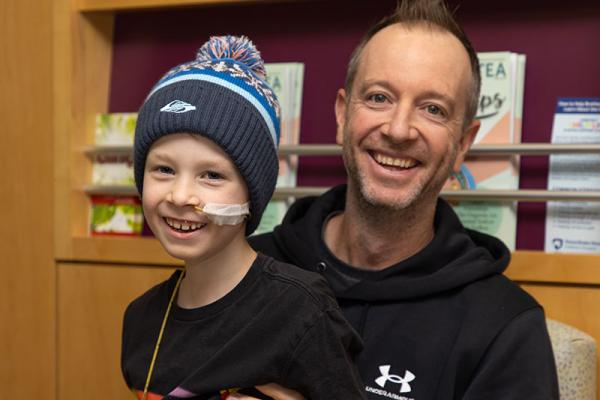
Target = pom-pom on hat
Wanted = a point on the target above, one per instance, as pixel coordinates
(221, 95)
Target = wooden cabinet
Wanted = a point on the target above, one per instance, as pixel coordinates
(91, 302)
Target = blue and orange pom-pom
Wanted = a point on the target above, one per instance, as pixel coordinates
(237, 48)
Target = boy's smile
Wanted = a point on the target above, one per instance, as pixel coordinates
(183, 226)
(184, 171)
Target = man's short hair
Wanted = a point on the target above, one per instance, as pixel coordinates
(433, 14)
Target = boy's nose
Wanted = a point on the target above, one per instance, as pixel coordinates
(181, 195)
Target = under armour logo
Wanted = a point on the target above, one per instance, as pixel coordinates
(178, 106)
(385, 377)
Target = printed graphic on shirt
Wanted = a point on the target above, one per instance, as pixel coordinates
(392, 385)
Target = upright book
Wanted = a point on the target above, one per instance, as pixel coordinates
(286, 79)
(114, 129)
(114, 215)
(500, 111)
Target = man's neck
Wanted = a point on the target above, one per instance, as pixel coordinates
(377, 239)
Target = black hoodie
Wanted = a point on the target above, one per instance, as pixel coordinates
(442, 324)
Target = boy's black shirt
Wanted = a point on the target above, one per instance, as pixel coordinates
(443, 324)
(279, 324)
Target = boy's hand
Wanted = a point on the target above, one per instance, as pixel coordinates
(273, 390)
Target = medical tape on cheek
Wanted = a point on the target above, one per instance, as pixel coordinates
(225, 214)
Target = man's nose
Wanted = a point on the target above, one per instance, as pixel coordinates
(183, 193)
(400, 126)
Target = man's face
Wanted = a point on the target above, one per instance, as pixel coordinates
(402, 127)
(184, 171)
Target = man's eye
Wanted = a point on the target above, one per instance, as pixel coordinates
(435, 110)
(378, 98)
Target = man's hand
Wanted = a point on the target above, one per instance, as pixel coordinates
(273, 390)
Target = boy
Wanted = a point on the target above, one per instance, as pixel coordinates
(205, 162)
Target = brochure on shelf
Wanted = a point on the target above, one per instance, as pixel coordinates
(500, 111)
(116, 216)
(115, 129)
(574, 227)
(112, 169)
(286, 79)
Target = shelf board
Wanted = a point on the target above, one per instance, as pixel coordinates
(525, 266)
(537, 266)
(126, 5)
(124, 250)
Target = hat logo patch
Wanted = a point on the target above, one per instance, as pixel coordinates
(178, 107)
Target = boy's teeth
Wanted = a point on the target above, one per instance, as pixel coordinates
(182, 225)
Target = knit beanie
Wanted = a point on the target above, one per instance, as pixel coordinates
(223, 96)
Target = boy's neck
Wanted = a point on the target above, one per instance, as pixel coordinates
(209, 280)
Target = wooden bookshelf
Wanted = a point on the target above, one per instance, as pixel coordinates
(83, 51)
(83, 48)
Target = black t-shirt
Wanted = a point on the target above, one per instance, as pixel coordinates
(279, 324)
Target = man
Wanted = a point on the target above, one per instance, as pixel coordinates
(438, 318)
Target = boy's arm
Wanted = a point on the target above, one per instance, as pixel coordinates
(322, 365)
(272, 390)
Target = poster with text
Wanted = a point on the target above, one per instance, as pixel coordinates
(574, 227)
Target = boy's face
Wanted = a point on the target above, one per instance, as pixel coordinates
(183, 171)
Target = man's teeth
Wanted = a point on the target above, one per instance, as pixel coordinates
(394, 162)
(183, 225)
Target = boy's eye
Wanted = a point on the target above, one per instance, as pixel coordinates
(213, 175)
(165, 170)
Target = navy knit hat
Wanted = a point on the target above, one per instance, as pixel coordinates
(223, 96)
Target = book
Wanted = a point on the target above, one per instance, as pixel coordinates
(500, 111)
(116, 168)
(113, 169)
(116, 216)
(115, 129)
(574, 227)
(286, 80)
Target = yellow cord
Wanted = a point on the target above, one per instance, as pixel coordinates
(160, 335)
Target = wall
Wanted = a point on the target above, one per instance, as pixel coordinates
(27, 285)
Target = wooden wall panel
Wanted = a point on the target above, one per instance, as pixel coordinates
(578, 306)
(91, 302)
(27, 283)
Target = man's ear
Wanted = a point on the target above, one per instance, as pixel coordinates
(465, 143)
(340, 115)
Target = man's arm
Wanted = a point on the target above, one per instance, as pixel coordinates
(519, 364)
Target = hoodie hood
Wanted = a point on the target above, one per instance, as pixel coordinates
(454, 258)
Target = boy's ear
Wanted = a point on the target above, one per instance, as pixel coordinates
(340, 115)
(465, 143)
